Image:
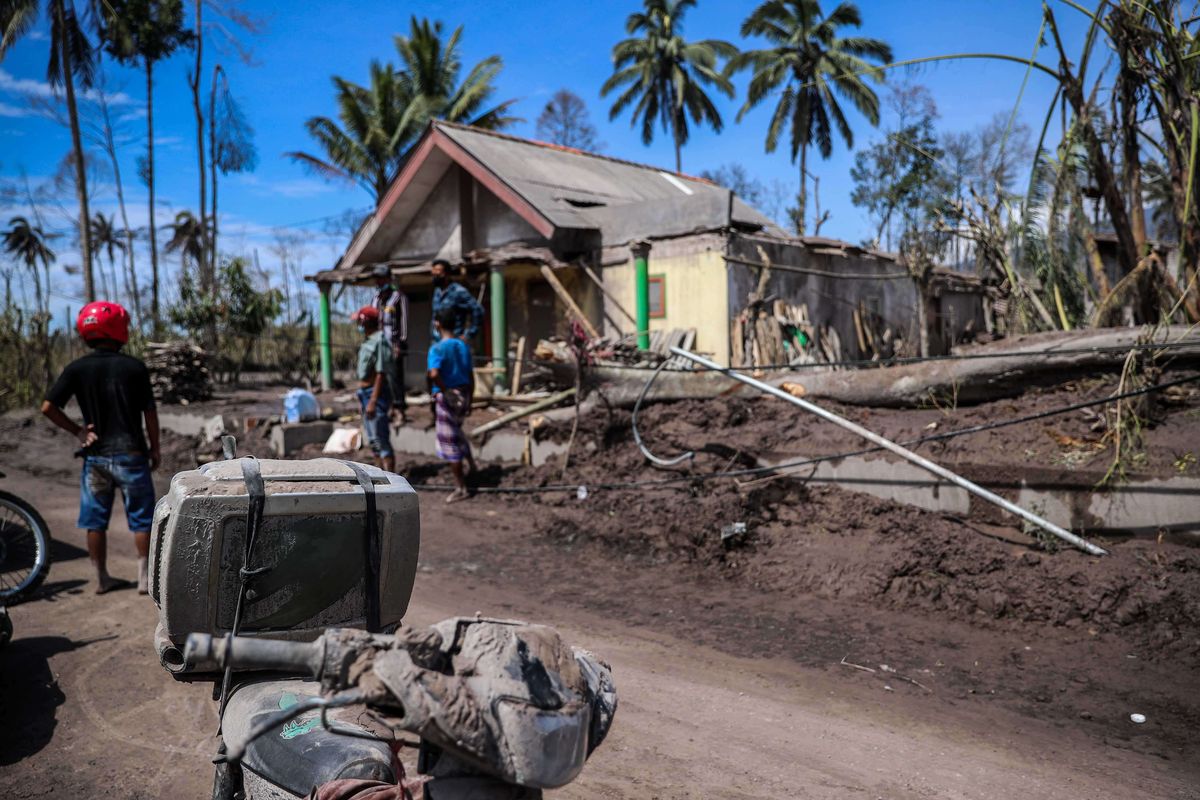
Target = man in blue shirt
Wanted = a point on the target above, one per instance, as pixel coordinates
(452, 384)
(467, 313)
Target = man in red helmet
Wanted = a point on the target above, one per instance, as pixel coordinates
(374, 382)
(114, 396)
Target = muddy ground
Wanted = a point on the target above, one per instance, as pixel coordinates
(839, 646)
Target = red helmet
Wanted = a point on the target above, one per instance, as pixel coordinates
(364, 314)
(102, 320)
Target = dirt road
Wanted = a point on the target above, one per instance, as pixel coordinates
(89, 712)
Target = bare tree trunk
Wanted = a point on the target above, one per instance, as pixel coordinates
(85, 232)
(155, 309)
(802, 196)
(206, 276)
(110, 148)
(212, 164)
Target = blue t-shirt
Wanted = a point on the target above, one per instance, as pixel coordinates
(452, 359)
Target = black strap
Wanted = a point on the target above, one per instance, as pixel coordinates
(256, 492)
(370, 546)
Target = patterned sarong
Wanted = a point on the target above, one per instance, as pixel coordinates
(451, 406)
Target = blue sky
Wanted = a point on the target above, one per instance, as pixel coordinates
(545, 46)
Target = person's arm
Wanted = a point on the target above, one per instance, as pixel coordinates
(376, 388)
(151, 415)
(476, 311)
(380, 376)
(86, 434)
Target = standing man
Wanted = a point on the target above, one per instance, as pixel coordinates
(392, 305)
(467, 313)
(114, 394)
(374, 390)
(452, 384)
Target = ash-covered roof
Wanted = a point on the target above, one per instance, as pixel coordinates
(621, 199)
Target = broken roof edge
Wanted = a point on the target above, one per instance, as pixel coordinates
(572, 150)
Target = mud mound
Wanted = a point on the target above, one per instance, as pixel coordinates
(786, 539)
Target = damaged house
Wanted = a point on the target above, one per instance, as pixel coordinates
(545, 234)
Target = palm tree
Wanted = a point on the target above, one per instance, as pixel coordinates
(188, 238)
(107, 239)
(145, 32)
(381, 121)
(375, 132)
(664, 73)
(27, 243)
(813, 66)
(71, 59)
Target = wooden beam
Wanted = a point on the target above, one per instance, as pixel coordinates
(568, 301)
(600, 284)
(516, 379)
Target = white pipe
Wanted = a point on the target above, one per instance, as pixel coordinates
(908, 455)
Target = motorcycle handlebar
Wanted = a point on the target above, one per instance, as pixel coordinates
(249, 652)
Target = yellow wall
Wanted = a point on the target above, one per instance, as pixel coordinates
(697, 297)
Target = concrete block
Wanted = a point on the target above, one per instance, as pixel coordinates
(291, 436)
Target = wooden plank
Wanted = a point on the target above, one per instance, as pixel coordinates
(516, 380)
(568, 301)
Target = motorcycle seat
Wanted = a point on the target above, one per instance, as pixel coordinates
(300, 754)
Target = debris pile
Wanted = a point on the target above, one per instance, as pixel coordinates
(773, 333)
(622, 351)
(178, 372)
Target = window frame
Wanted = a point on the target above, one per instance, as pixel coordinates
(661, 279)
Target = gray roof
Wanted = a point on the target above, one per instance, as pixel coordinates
(621, 199)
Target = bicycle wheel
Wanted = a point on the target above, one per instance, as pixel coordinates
(24, 548)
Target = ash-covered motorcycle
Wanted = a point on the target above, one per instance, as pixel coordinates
(284, 584)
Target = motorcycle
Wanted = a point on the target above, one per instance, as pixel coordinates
(502, 709)
(24, 555)
(285, 584)
(24, 548)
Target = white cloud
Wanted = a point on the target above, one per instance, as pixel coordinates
(292, 188)
(31, 87)
(12, 111)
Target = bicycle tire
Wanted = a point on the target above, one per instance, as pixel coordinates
(42, 542)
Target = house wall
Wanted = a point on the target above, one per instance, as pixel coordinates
(696, 286)
(437, 230)
(957, 316)
(434, 232)
(831, 285)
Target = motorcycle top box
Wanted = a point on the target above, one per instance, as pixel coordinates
(316, 562)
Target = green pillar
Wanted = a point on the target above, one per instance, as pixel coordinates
(642, 294)
(499, 328)
(326, 344)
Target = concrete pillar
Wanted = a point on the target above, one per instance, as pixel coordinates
(641, 250)
(497, 311)
(326, 345)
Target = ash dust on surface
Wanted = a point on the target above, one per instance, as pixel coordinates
(953, 620)
(817, 573)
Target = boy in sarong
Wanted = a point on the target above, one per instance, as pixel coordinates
(452, 383)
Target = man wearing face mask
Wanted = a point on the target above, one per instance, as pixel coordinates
(447, 294)
(392, 305)
(374, 387)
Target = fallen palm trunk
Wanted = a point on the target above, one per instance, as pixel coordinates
(906, 454)
(985, 373)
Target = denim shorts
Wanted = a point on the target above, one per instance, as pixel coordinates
(379, 434)
(99, 481)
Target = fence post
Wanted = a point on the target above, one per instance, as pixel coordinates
(326, 346)
(641, 273)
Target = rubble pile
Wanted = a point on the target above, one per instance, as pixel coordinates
(178, 372)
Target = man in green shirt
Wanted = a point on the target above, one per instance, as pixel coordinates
(374, 392)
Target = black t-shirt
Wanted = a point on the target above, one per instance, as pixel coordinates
(113, 390)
